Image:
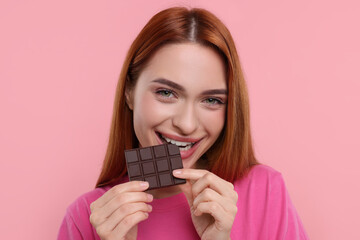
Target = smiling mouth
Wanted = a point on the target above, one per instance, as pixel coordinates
(183, 146)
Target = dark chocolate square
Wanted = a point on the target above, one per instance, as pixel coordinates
(145, 154)
(153, 183)
(148, 168)
(176, 162)
(159, 151)
(162, 165)
(131, 156)
(134, 170)
(165, 179)
(173, 149)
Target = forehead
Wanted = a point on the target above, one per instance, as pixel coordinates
(187, 63)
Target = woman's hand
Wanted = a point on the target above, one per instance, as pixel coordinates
(115, 215)
(212, 202)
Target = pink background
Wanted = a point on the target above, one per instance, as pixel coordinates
(59, 64)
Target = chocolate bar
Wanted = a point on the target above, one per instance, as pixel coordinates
(155, 165)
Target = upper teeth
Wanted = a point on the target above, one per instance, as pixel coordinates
(177, 143)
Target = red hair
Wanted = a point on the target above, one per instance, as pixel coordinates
(232, 154)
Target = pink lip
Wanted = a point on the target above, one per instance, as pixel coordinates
(187, 153)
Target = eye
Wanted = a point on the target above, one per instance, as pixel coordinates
(213, 101)
(165, 93)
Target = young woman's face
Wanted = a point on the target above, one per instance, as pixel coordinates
(180, 98)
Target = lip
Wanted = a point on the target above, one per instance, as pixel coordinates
(184, 154)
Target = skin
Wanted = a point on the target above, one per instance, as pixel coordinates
(181, 108)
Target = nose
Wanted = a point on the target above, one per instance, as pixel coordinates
(185, 119)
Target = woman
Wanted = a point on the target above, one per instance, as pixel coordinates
(182, 83)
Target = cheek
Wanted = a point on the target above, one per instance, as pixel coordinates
(213, 122)
(148, 111)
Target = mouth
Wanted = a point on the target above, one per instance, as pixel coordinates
(187, 146)
(183, 146)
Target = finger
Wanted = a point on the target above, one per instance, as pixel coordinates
(123, 211)
(197, 174)
(210, 180)
(128, 222)
(203, 179)
(132, 186)
(223, 220)
(189, 173)
(209, 195)
(100, 215)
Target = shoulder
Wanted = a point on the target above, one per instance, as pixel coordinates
(261, 181)
(261, 173)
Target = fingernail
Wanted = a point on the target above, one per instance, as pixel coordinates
(150, 197)
(177, 172)
(144, 184)
(149, 207)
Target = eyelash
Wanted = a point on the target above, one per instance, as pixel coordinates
(218, 101)
(160, 93)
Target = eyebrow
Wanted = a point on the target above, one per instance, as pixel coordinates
(215, 92)
(181, 88)
(170, 84)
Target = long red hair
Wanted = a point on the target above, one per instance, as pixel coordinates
(232, 154)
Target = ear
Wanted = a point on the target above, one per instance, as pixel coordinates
(129, 96)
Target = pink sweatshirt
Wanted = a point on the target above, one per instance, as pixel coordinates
(265, 212)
